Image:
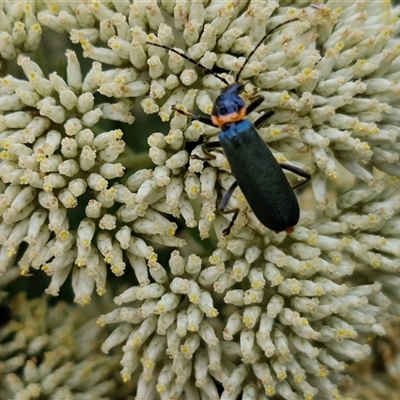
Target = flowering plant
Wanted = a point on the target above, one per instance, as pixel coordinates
(197, 314)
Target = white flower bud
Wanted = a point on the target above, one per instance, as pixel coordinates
(156, 68)
(111, 171)
(236, 247)
(182, 323)
(7, 47)
(124, 195)
(83, 285)
(207, 333)
(139, 247)
(161, 175)
(87, 158)
(140, 268)
(123, 235)
(64, 261)
(154, 291)
(194, 318)
(107, 30)
(50, 164)
(13, 101)
(85, 102)
(15, 238)
(92, 117)
(235, 297)
(102, 55)
(188, 77)
(176, 263)
(173, 192)
(97, 182)
(175, 98)
(189, 347)
(119, 46)
(149, 105)
(198, 50)
(236, 378)
(174, 139)
(193, 265)
(192, 185)
(187, 211)
(240, 270)
(137, 55)
(67, 198)
(108, 222)
(253, 296)
(171, 82)
(106, 197)
(178, 160)
(68, 99)
(68, 168)
(53, 112)
(191, 32)
(53, 181)
(16, 120)
(308, 288)
(167, 303)
(158, 156)
(48, 200)
(117, 336)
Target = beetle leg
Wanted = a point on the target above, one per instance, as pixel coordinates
(210, 146)
(227, 230)
(204, 120)
(254, 104)
(207, 149)
(259, 122)
(261, 119)
(297, 171)
(222, 208)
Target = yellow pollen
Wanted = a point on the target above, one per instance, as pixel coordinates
(338, 10)
(276, 132)
(376, 264)
(64, 235)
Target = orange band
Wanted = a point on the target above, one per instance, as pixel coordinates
(221, 120)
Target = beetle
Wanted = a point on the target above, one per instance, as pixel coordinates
(257, 173)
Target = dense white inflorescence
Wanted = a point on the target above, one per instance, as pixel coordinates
(255, 313)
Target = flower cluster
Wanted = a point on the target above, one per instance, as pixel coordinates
(252, 313)
(288, 308)
(51, 353)
(382, 382)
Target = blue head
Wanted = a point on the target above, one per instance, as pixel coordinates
(229, 107)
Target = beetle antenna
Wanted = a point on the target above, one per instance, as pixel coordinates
(210, 71)
(260, 43)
